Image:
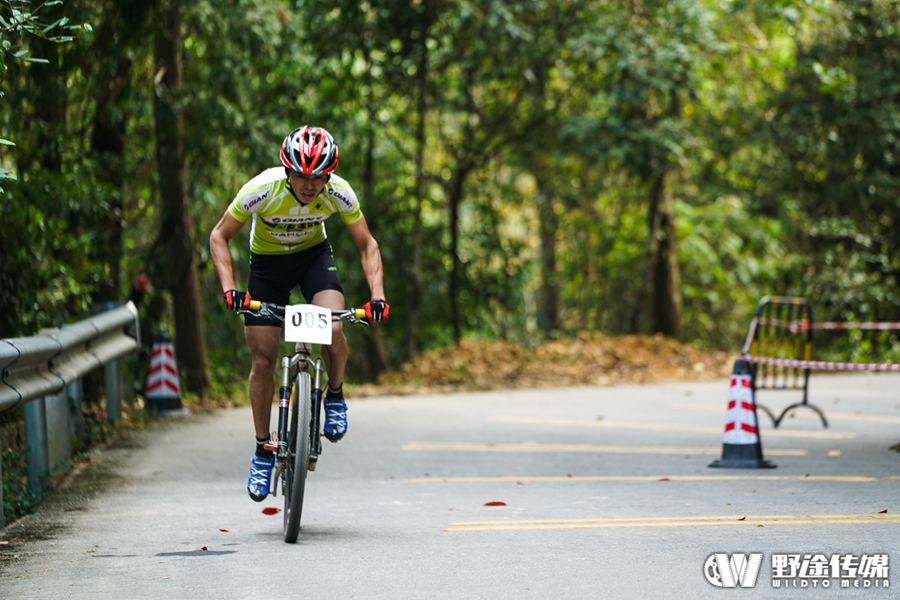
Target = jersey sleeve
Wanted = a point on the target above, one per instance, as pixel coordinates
(249, 200)
(345, 199)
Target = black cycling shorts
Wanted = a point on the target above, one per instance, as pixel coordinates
(273, 276)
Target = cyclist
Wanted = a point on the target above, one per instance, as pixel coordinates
(288, 248)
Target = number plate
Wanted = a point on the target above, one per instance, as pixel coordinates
(307, 323)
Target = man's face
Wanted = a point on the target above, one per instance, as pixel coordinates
(307, 187)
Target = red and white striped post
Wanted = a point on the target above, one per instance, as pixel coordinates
(741, 446)
(163, 394)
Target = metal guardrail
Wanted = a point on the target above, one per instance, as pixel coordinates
(43, 365)
(40, 372)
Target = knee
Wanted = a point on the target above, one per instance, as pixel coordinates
(337, 333)
(263, 365)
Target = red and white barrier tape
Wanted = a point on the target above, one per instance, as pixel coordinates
(803, 325)
(820, 365)
(877, 326)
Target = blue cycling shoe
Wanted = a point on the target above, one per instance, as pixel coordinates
(335, 418)
(260, 477)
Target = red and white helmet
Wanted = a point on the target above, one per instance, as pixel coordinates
(309, 150)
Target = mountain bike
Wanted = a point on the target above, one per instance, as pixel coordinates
(297, 441)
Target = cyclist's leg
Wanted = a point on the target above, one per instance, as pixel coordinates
(263, 336)
(322, 286)
(263, 343)
(335, 355)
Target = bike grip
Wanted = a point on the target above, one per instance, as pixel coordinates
(254, 305)
(359, 313)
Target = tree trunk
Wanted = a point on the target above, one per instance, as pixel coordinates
(455, 198)
(47, 94)
(414, 299)
(548, 293)
(666, 276)
(108, 147)
(177, 228)
(659, 185)
(377, 352)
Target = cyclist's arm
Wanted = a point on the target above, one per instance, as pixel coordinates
(370, 256)
(225, 229)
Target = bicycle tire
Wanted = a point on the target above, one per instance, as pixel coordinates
(296, 463)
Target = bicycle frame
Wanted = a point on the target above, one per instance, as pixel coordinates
(290, 366)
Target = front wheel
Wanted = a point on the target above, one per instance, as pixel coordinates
(297, 460)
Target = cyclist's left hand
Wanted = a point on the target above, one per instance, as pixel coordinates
(377, 310)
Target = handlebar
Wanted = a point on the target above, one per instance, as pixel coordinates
(270, 310)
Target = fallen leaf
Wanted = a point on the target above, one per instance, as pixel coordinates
(523, 482)
(664, 479)
(271, 510)
(204, 548)
(227, 530)
(91, 549)
(495, 503)
(568, 475)
(760, 525)
(742, 519)
(882, 512)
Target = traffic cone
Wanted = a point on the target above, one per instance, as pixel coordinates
(741, 447)
(163, 390)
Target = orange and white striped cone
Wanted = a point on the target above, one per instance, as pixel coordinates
(163, 392)
(741, 446)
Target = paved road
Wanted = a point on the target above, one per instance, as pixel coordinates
(607, 494)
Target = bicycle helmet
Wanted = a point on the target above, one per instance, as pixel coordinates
(309, 150)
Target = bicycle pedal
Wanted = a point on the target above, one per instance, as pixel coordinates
(272, 447)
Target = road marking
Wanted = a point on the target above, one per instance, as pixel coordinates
(698, 521)
(832, 416)
(653, 478)
(827, 435)
(487, 447)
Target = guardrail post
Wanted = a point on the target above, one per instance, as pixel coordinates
(112, 374)
(59, 442)
(36, 444)
(112, 383)
(75, 391)
(2, 522)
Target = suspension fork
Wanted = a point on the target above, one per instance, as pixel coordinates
(318, 368)
(284, 401)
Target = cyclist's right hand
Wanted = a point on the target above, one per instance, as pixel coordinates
(237, 301)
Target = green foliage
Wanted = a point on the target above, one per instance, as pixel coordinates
(774, 123)
(18, 499)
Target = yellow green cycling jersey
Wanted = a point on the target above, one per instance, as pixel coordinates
(281, 224)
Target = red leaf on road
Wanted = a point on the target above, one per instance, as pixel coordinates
(204, 548)
(664, 479)
(742, 518)
(568, 474)
(882, 512)
(523, 482)
(227, 529)
(271, 510)
(495, 503)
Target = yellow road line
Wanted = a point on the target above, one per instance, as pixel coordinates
(831, 416)
(654, 478)
(488, 447)
(827, 435)
(696, 521)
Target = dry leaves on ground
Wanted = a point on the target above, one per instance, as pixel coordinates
(588, 359)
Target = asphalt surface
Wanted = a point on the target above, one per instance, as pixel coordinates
(605, 493)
